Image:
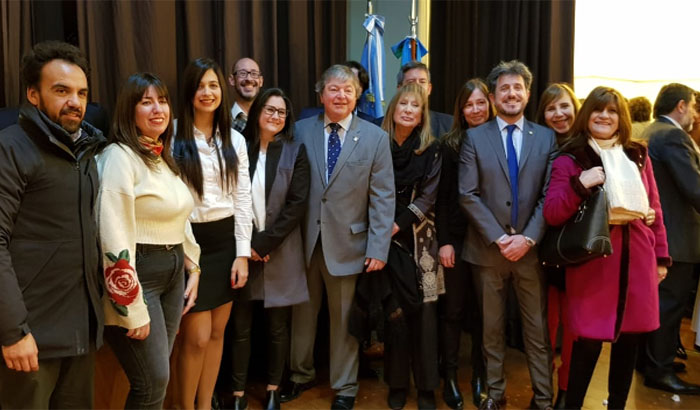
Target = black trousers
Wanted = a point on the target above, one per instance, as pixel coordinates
(277, 341)
(584, 357)
(457, 305)
(674, 292)
(411, 344)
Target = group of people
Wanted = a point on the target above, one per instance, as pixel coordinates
(412, 224)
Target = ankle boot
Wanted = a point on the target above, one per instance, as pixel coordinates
(450, 392)
(272, 400)
(478, 390)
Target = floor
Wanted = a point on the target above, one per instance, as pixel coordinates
(112, 385)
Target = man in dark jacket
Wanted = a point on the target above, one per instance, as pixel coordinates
(50, 288)
(677, 171)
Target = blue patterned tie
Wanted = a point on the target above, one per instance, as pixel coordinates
(333, 147)
(513, 174)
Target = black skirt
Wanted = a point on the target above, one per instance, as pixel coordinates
(218, 244)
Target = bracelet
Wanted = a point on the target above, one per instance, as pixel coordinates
(195, 270)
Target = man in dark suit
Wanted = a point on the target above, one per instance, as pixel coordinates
(347, 229)
(676, 164)
(503, 174)
(417, 72)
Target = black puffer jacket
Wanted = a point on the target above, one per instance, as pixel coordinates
(50, 283)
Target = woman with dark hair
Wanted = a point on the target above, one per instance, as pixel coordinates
(214, 164)
(411, 330)
(615, 298)
(279, 171)
(146, 239)
(557, 110)
(472, 108)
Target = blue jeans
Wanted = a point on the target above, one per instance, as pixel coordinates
(147, 362)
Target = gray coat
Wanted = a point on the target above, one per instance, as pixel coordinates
(677, 173)
(353, 213)
(282, 280)
(484, 188)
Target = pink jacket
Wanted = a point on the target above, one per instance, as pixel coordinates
(603, 301)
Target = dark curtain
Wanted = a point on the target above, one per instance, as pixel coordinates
(468, 38)
(293, 41)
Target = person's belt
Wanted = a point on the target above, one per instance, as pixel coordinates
(146, 247)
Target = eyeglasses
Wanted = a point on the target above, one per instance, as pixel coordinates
(242, 74)
(270, 110)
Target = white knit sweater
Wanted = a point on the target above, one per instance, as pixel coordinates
(137, 204)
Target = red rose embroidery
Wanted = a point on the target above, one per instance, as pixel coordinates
(120, 280)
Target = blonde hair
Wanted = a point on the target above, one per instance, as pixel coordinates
(426, 138)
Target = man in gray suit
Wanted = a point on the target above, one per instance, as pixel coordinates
(347, 228)
(503, 174)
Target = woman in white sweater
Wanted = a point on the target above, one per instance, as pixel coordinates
(213, 161)
(146, 239)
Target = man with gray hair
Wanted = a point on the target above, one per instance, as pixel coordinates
(347, 229)
(505, 217)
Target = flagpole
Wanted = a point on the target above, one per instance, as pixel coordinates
(413, 20)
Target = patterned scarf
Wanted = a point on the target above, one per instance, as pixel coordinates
(155, 146)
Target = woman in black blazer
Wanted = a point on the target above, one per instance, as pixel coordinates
(279, 173)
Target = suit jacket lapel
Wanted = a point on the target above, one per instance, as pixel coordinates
(494, 137)
(349, 144)
(274, 149)
(528, 141)
(317, 142)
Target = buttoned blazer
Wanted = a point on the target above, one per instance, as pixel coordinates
(353, 212)
(484, 188)
(677, 171)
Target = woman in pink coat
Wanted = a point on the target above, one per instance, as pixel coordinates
(611, 299)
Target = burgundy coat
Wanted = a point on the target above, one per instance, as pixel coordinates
(603, 301)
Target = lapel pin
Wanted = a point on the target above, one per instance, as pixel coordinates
(355, 139)
(529, 132)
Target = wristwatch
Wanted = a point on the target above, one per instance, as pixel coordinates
(529, 241)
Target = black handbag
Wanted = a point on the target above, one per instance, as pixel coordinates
(584, 237)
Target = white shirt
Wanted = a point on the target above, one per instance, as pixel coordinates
(517, 135)
(218, 202)
(258, 192)
(344, 127)
(235, 110)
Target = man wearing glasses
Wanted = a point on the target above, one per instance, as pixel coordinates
(246, 79)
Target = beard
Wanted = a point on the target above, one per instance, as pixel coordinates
(68, 124)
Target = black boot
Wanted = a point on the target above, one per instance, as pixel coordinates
(450, 392)
(272, 400)
(478, 390)
(240, 402)
(560, 403)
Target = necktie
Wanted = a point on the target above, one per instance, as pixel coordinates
(333, 147)
(513, 174)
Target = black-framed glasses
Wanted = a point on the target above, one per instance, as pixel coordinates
(242, 74)
(270, 110)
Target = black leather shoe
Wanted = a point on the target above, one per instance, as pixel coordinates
(240, 402)
(396, 399)
(272, 400)
(560, 403)
(451, 394)
(673, 384)
(215, 405)
(678, 367)
(292, 390)
(478, 391)
(426, 400)
(343, 403)
(491, 404)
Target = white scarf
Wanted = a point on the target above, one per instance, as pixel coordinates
(624, 189)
